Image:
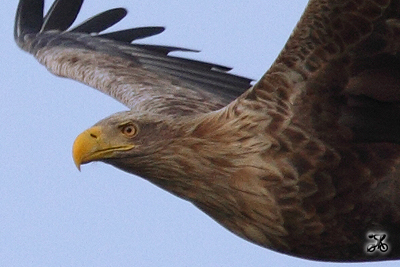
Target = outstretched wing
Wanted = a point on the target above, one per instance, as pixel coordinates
(339, 74)
(143, 77)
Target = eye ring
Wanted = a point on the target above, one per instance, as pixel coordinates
(129, 130)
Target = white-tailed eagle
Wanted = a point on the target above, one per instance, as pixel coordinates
(304, 162)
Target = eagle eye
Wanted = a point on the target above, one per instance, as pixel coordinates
(129, 130)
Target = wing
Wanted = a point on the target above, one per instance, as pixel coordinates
(339, 73)
(143, 77)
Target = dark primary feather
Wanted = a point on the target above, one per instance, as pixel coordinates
(131, 35)
(29, 19)
(168, 49)
(101, 21)
(61, 15)
(150, 77)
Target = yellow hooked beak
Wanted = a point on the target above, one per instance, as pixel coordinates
(92, 145)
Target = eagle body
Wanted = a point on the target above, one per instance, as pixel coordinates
(304, 162)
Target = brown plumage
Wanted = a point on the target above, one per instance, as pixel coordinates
(305, 162)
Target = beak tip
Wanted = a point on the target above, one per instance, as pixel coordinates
(78, 165)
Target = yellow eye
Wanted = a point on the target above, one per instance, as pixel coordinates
(129, 130)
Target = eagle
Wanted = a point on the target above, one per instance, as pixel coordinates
(305, 161)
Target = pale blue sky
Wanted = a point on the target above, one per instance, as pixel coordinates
(53, 215)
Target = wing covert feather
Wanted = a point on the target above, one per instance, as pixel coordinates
(341, 56)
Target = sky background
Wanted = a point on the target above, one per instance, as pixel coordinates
(53, 215)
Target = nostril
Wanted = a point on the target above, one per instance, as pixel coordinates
(93, 135)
